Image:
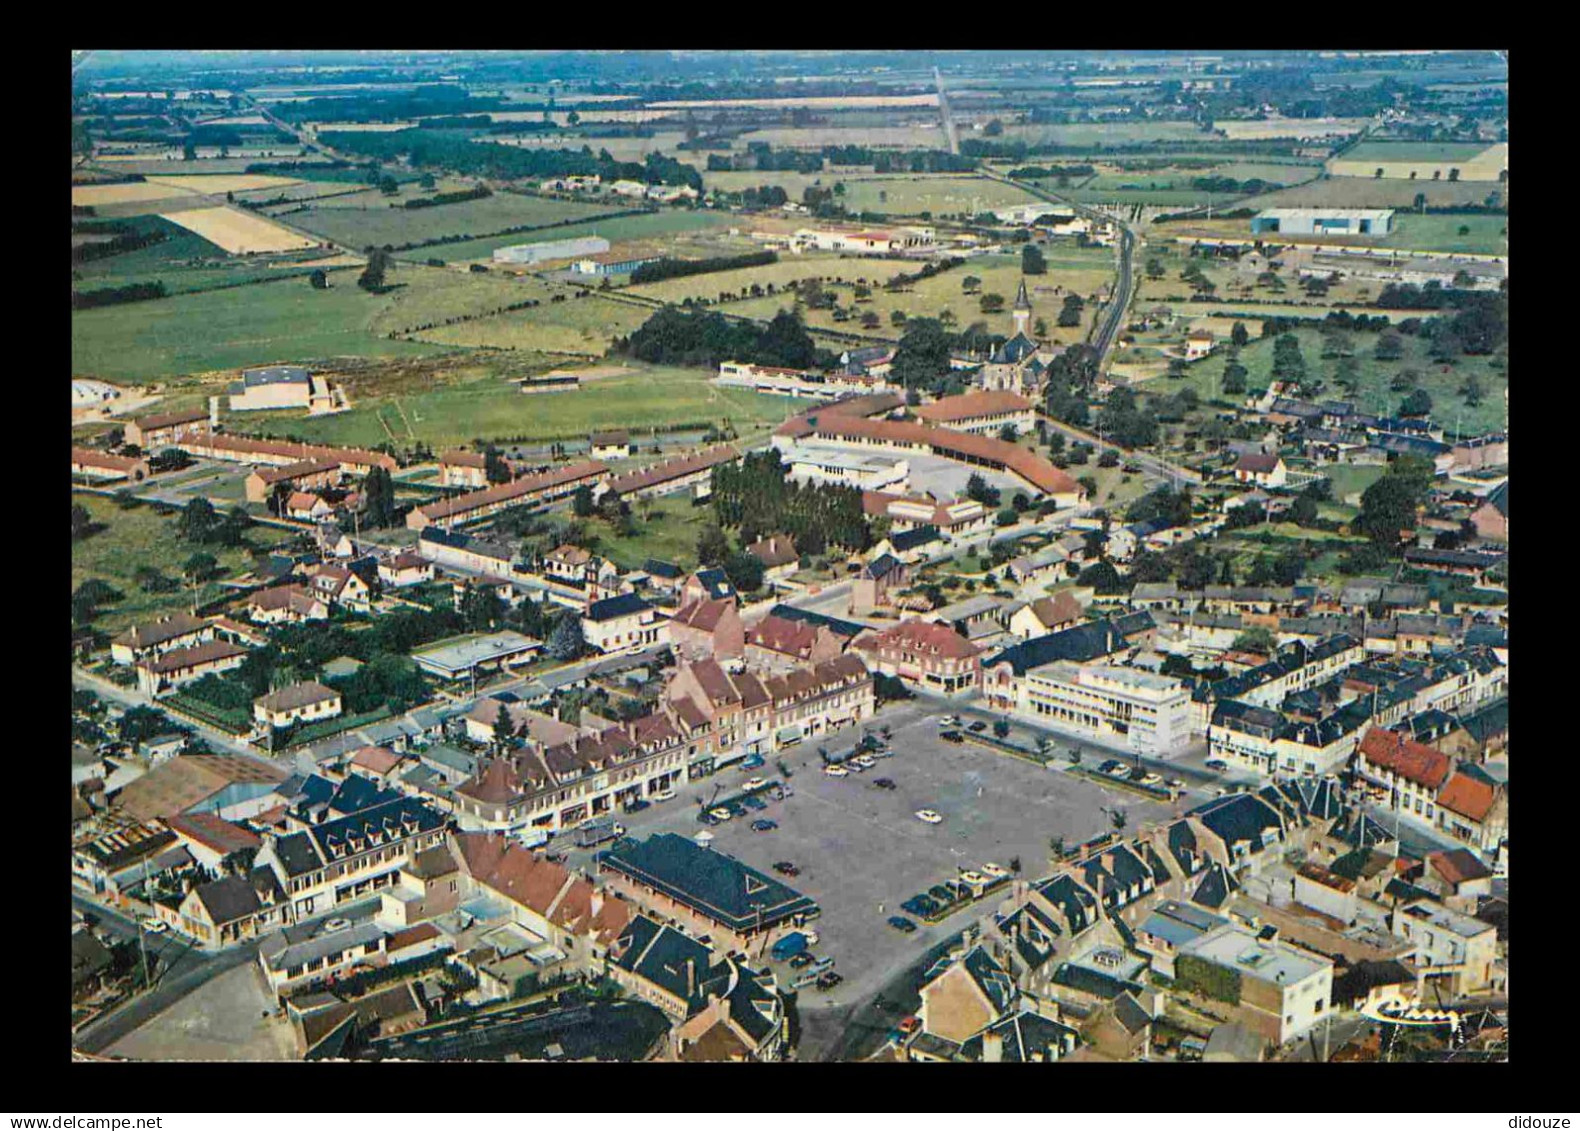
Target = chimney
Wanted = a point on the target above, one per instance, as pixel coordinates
(691, 978)
(992, 1047)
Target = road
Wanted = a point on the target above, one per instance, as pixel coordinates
(132, 697)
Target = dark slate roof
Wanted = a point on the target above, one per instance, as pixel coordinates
(228, 899)
(1093, 982)
(1488, 722)
(844, 628)
(882, 566)
(1215, 887)
(1360, 979)
(915, 537)
(1128, 1012)
(1015, 350)
(1024, 1036)
(1034, 934)
(712, 883)
(1183, 847)
(1239, 817)
(990, 976)
(1357, 829)
(623, 605)
(1322, 798)
(716, 583)
(659, 954)
(669, 570)
(1075, 902)
(308, 850)
(1081, 644)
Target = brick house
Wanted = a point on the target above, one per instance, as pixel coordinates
(930, 656)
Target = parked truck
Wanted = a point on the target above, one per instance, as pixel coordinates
(789, 946)
(597, 831)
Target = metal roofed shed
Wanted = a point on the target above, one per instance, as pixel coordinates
(458, 657)
(712, 884)
(1324, 221)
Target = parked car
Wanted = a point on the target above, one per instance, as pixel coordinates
(974, 878)
(754, 783)
(942, 894)
(753, 761)
(1216, 764)
(159, 926)
(637, 806)
(902, 924)
(1110, 766)
(764, 826)
(785, 868)
(336, 924)
(664, 795)
(949, 721)
(910, 1024)
(801, 961)
(977, 727)
(1152, 779)
(917, 905)
(994, 871)
(836, 771)
(721, 813)
(951, 736)
(864, 761)
(884, 783)
(754, 803)
(929, 816)
(828, 980)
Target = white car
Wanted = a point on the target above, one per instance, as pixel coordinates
(336, 924)
(1152, 779)
(949, 720)
(836, 771)
(930, 816)
(994, 871)
(721, 813)
(972, 878)
(155, 926)
(664, 795)
(863, 761)
(754, 783)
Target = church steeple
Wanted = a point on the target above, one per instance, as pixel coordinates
(1022, 309)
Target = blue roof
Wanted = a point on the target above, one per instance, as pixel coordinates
(718, 886)
(914, 537)
(1081, 644)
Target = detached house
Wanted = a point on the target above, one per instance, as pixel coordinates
(625, 623)
(309, 701)
(140, 642)
(778, 554)
(1261, 469)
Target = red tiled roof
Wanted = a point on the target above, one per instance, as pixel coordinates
(923, 637)
(205, 653)
(1257, 462)
(1460, 864)
(1413, 761)
(458, 458)
(774, 550)
(411, 936)
(375, 758)
(945, 442)
(1468, 796)
(92, 457)
(704, 615)
(248, 445)
(166, 419)
(781, 634)
(213, 832)
(968, 406)
(673, 469)
(516, 488)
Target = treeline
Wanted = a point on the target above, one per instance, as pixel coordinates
(128, 238)
(678, 268)
(1250, 187)
(679, 337)
(1041, 172)
(1432, 296)
(488, 159)
(84, 210)
(760, 156)
(755, 498)
(460, 196)
(449, 101)
(110, 296)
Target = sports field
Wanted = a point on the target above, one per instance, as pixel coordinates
(489, 407)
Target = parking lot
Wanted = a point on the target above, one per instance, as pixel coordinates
(861, 850)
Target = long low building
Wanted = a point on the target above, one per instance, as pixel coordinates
(169, 670)
(1147, 713)
(529, 490)
(985, 412)
(777, 381)
(459, 657)
(671, 475)
(248, 449)
(306, 475)
(90, 463)
(839, 427)
(165, 428)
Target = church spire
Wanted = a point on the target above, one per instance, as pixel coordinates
(1022, 309)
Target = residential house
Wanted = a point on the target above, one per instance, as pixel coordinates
(403, 569)
(1281, 992)
(706, 628)
(777, 643)
(159, 675)
(611, 445)
(309, 701)
(230, 909)
(1450, 945)
(141, 642)
(877, 583)
(625, 623)
(1262, 469)
(286, 604)
(1046, 615)
(778, 555)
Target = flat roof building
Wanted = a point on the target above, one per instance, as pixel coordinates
(1324, 221)
(458, 657)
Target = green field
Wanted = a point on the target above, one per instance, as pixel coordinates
(1102, 135)
(647, 226)
(286, 321)
(487, 407)
(666, 528)
(1434, 232)
(1374, 192)
(1373, 377)
(381, 225)
(184, 262)
(576, 326)
(784, 274)
(901, 195)
(1386, 151)
(139, 537)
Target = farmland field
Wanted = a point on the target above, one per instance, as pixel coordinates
(647, 225)
(1290, 127)
(1102, 135)
(1429, 232)
(185, 262)
(382, 225)
(847, 102)
(138, 192)
(620, 148)
(577, 325)
(1422, 161)
(487, 407)
(139, 537)
(239, 232)
(285, 321)
(1373, 192)
(221, 183)
(901, 195)
(930, 136)
(785, 273)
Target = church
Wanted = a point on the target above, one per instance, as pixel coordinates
(1017, 366)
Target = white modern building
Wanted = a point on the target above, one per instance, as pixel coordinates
(1149, 713)
(810, 464)
(527, 253)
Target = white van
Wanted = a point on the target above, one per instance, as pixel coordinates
(532, 838)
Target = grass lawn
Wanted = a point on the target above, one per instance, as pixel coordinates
(1373, 394)
(139, 537)
(1374, 192)
(1101, 135)
(378, 223)
(484, 406)
(1430, 232)
(1383, 152)
(576, 325)
(1349, 479)
(668, 532)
